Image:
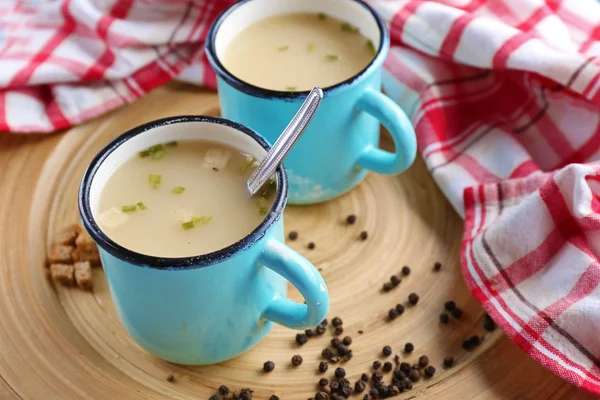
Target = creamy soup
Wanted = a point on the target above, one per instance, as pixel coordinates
(295, 52)
(182, 199)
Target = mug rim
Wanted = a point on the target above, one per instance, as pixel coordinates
(176, 263)
(256, 91)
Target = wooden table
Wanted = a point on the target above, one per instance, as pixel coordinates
(60, 343)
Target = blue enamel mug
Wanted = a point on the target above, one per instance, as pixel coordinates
(210, 307)
(342, 142)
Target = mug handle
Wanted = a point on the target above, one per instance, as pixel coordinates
(397, 123)
(305, 277)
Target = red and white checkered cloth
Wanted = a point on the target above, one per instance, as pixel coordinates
(504, 96)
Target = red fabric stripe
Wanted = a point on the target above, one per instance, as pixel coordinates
(591, 85)
(394, 65)
(594, 36)
(501, 57)
(537, 16)
(554, 136)
(3, 123)
(151, 76)
(524, 169)
(400, 18)
(474, 5)
(474, 168)
(21, 77)
(588, 149)
(454, 34)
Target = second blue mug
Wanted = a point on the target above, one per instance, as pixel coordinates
(342, 142)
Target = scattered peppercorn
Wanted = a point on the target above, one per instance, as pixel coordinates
(268, 366)
(297, 360)
(387, 351)
(407, 384)
(414, 375)
(392, 314)
(364, 235)
(367, 397)
(347, 340)
(374, 393)
(444, 318)
(377, 376)
(170, 378)
(337, 321)
(274, 397)
(364, 378)
(359, 387)
(321, 329)
(387, 366)
(400, 308)
(361, 332)
(448, 362)
(334, 386)
(321, 396)
(293, 235)
(406, 270)
(223, 390)
(342, 350)
(394, 390)
(471, 342)
(335, 342)
(423, 361)
(351, 219)
(339, 330)
(327, 353)
(348, 356)
(405, 367)
(395, 280)
(323, 366)
(409, 347)
(334, 359)
(310, 333)
(413, 298)
(246, 394)
(456, 313)
(450, 305)
(488, 323)
(311, 245)
(437, 266)
(376, 364)
(301, 338)
(213, 397)
(387, 287)
(429, 371)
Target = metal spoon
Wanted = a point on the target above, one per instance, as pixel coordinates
(286, 141)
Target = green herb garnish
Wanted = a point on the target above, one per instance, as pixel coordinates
(141, 205)
(283, 48)
(187, 225)
(310, 47)
(130, 208)
(371, 47)
(171, 144)
(204, 219)
(248, 161)
(158, 154)
(292, 88)
(268, 188)
(331, 57)
(322, 16)
(144, 153)
(348, 27)
(155, 148)
(154, 179)
(262, 205)
(178, 189)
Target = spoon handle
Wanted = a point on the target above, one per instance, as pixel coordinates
(286, 141)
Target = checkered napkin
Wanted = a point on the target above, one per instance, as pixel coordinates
(504, 96)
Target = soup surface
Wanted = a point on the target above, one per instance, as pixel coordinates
(295, 52)
(182, 199)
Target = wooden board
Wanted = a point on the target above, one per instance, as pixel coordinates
(60, 343)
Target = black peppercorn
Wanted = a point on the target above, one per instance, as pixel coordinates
(347, 340)
(413, 298)
(387, 367)
(364, 235)
(377, 377)
(311, 245)
(351, 219)
(246, 394)
(395, 280)
(423, 361)
(392, 313)
(223, 390)
(321, 396)
(444, 318)
(170, 378)
(324, 322)
(448, 362)
(400, 308)
(429, 371)
(367, 397)
(321, 329)
(323, 382)
(456, 313)
(364, 378)
(488, 323)
(301, 338)
(337, 321)
(213, 397)
(296, 360)
(437, 266)
(348, 356)
(327, 353)
(334, 386)
(274, 397)
(387, 287)
(268, 366)
(406, 270)
(407, 384)
(374, 393)
(360, 332)
(450, 305)
(342, 350)
(310, 333)
(399, 374)
(405, 367)
(409, 347)
(323, 366)
(386, 351)
(293, 235)
(376, 364)
(416, 366)
(335, 342)
(414, 375)
(359, 387)
(471, 342)
(339, 330)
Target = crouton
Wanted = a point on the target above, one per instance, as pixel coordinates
(68, 235)
(63, 274)
(81, 255)
(83, 275)
(85, 242)
(61, 254)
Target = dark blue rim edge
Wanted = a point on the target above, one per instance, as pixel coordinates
(182, 263)
(268, 93)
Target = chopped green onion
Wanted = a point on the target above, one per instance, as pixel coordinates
(269, 187)
(130, 208)
(292, 88)
(187, 225)
(178, 189)
(248, 161)
(321, 16)
(262, 204)
(202, 219)
(144, 153)
(158, 154)
(171, 144)
(371, 47)
(141, 205)
(155, 148)
(154, 179)
(310, 47)
(347, 27)
(283, 48)
(331, 57)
